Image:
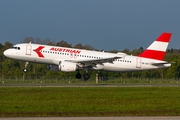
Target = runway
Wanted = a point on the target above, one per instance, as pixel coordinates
(88, 85)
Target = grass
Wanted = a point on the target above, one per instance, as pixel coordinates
(89, 101)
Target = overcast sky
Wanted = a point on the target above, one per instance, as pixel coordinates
(102, 24)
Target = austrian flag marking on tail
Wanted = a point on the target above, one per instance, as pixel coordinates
(158, 48)
(38, 51)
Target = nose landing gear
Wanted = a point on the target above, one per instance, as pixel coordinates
(25, 67)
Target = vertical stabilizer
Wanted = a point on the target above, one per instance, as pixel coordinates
(158, 48)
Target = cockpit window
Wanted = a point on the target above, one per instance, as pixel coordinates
(15, 47)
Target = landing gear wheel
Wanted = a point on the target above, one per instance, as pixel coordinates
(86, 76)
(78, 76)
(24, 70)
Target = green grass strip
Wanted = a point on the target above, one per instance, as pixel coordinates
(89, 101)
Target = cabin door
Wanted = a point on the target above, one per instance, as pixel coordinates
(28, 49)
(138, 62)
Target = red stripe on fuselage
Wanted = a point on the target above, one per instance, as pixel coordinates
(153, 54)
(38, 51)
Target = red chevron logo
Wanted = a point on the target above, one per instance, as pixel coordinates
(38, 51)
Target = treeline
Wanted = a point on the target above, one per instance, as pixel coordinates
(9, 67)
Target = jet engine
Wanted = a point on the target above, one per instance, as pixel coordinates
(67, 66)
(64, 66)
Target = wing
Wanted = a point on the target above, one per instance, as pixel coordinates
(93, 62)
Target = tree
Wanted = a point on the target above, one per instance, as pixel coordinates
(79, 46)
(28, 40)
(63, 43)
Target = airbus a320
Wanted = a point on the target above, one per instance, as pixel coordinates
(71, 59)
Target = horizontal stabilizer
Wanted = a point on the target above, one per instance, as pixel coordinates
(161, 63)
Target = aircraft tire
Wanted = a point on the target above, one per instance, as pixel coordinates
(86, 76)
(78, 76)
(24, 70)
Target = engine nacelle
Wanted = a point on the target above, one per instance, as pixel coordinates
(63, 66)
(67, 66)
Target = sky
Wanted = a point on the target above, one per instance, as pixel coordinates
(102, 24)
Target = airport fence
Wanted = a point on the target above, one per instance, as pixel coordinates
(72, 80)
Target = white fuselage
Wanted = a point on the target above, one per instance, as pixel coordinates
(52, 55)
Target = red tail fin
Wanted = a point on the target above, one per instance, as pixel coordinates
(158, 48)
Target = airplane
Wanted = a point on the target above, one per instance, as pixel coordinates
(71, 59)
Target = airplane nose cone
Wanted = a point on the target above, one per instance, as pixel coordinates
(6, 53)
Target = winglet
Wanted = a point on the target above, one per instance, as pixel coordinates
(158, 48)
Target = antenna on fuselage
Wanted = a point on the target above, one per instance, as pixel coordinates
(30, 42)
(103, 50)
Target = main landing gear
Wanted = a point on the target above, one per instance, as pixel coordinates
(78, 75)
(86, 76)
